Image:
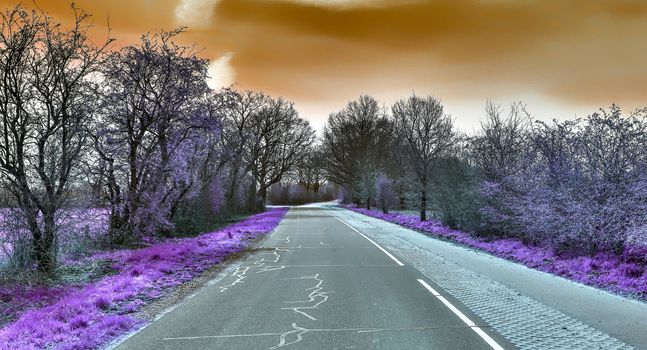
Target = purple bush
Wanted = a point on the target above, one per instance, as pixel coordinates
(385, 195)
(77, 230)
(580, 185)
(624, 274)
(85, 317)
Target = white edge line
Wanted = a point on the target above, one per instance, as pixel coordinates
(370, 240)
(491, 342)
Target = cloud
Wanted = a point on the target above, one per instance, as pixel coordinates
(322, 53)
(311, 51)
(195, 13)
(220, 72)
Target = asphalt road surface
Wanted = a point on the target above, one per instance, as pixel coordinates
(323, 280)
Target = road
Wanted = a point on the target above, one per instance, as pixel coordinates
(327, 278)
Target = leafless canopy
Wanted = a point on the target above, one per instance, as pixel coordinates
(426, 132)
(278, 140)
(355, 141)
(46, 97)
(501, 142)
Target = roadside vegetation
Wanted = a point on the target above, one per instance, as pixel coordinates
(88, 315)
(123, 174)
(618, 273)
(571, 195)
(108, 145)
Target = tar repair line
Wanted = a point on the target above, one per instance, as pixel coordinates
(239, 273)
(370, 240)
(323, 330)
(462, 316)
(316, 293)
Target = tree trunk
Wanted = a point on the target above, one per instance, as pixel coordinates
(120, 230)
(261, 198)
(44, 253)
(250, 201)
(231, 191)
(385, 206)
(423, 204)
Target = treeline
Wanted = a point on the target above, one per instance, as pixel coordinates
(135, 131)
(306, 184)
(577, 185)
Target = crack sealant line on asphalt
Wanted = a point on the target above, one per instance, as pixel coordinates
(222, 274)
(315, 293)
(491, 342)
(320, 330)
(375, 244)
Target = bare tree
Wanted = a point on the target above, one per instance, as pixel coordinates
(426, 132)
(309, 171)
(502, 141)
(278, 140)
(47, 94)
(356, 141)
(236, 135)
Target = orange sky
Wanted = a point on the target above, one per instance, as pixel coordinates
(563, 58)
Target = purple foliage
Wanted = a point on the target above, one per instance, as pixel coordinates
(158, 150)
(624, 274)
(15, 299)
(580, 185)
(72, 224)
(85, 317)
(385, 195)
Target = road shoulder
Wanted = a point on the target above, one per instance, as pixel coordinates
(185, 291)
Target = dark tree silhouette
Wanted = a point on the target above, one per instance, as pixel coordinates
(356, 141)
(309, 171)
(426, 133)
(278, 140)
(47, 97)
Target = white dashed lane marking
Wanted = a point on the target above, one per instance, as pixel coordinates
(493, 344)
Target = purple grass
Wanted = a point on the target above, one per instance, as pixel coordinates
(88, 316)
(624, 274)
